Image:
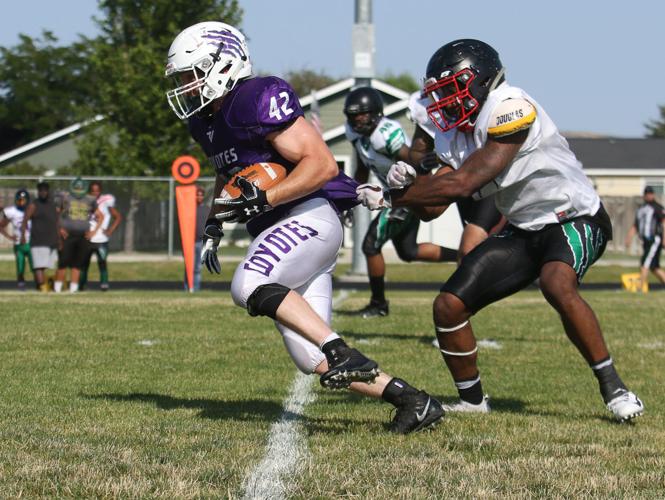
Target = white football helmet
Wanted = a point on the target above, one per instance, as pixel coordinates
(206, 60)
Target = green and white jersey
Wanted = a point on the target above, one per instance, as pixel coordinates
(545, 183)
(379, 151)
(15, 217)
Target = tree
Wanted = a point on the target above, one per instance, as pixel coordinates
(403, 81)
(43, 87)
(140, 135)
(305, 80)
(656, 128)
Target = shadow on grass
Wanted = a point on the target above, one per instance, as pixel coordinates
(250, 410)
(246, 409)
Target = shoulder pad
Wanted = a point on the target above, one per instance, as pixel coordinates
(510, 116)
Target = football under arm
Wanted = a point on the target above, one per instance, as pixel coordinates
(301, 144)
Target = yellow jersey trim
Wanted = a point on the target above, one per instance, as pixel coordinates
(513, 126)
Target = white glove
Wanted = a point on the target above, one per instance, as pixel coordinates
(401, 175)
(373, 196)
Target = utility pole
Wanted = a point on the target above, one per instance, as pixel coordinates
(363, 72)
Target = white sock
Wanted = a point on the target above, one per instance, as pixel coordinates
(73, 287)
(330, 337)
(57, 286)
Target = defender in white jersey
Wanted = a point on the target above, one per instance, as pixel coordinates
(14, 215)
(379, 142)
(480, 217)
(501, 141)
(99, 242)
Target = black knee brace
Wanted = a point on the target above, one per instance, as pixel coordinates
(266, 299)
(407, 249)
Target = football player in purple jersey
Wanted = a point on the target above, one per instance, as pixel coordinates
(286, 275)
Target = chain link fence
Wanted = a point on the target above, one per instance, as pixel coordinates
(147, 205)
(150, 223)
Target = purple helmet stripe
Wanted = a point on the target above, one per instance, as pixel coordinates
(231, 43)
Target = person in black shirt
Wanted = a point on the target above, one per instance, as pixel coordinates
(648, 225)
(44, 238)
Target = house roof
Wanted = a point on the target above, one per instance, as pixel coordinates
(46, 141)
(613, 153)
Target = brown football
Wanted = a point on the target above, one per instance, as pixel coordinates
(262, 175)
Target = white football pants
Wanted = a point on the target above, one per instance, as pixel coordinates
(300, 252)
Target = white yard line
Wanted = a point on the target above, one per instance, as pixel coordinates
(286, 447)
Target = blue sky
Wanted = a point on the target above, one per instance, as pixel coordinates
(595, 66)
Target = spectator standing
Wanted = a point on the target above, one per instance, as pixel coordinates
(15, 215)
(648, 225)
(99, 242)
(44, 220)
(76, 210)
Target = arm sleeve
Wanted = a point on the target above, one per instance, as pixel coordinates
(388, 138)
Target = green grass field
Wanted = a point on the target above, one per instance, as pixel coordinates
(157, 394)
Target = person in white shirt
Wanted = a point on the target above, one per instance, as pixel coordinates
(99, 242)
(500, 140)
(14, 215)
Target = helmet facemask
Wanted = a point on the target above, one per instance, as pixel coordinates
(452, 103)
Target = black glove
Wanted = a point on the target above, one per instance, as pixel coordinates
(212, 235)
(429, 162)
(251, 202)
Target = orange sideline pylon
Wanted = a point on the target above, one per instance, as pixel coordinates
(185, 169)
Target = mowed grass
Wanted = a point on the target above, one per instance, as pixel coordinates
(158, 394)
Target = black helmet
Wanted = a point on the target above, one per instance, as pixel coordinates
(21, 198)
(360, 101)
(459, 77)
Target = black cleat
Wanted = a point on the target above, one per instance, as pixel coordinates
(346, 365)
(374, 310)
(419, 411)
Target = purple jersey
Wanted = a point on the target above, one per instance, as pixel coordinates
(235, 137)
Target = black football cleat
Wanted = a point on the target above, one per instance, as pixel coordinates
(374, 310)
(419, 411)
(347, 365)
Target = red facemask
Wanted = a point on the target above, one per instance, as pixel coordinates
(452, 103)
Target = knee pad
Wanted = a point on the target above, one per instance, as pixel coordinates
(369, 244)
(266, 299)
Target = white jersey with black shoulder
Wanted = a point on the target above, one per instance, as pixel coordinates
(15, 217)
(417, 113)
(379, 151)
(545, 183)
